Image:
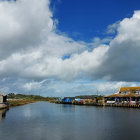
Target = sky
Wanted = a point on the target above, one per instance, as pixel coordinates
(69, 47)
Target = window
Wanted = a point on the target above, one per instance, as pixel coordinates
(125, 92)
(137, 92)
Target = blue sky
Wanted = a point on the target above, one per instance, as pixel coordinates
(86, 19)
(69, 47)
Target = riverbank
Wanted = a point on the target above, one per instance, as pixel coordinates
(23, 99)
(20, 102)
(102, 104)
(4, 105)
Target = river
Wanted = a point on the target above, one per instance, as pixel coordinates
(46, 121)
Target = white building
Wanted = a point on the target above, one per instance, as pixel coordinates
(3, 98)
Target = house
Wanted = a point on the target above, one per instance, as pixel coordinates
(3, 98)
(127, 95)
(64, 100)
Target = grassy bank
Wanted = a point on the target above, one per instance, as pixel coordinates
(20, 102)
(22, 99)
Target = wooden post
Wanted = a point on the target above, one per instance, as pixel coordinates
(130, 100)
(103, 101)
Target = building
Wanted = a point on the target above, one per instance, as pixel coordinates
(127, 95)
(3, 98)
(64, 100)
(3, 101)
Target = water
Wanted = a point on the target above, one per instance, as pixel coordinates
(45, 121)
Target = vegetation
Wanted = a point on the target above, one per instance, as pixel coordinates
(22, 99)
(19, 102)
(28, 97)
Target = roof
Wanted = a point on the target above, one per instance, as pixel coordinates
(129, 88)
(124, 95)
(125, 89)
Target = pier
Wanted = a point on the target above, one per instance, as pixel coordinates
(128, 97)
(104, 105)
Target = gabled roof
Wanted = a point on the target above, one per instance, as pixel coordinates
(124, 95)
(128, 88)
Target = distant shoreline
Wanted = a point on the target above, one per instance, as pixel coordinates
(20, 102)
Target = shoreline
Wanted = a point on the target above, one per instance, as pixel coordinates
(21, 102)
(4, 105)
(103, 105)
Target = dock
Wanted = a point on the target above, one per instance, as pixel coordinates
(103, 105)
(128, 97)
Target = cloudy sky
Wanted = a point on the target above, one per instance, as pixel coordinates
(69, 47)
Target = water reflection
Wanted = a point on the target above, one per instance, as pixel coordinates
(3, 114)
(45, 121)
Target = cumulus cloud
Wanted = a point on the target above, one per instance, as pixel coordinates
(28, 39)
(33, 85)
(122, 59)
(23, 24)
(32, 50)
(51, 87)
(112, 29)
(112, 87)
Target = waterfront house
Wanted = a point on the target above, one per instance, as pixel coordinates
(126, 95)
(64, 100)
(83, 101)
(3, 98)
(3, 101)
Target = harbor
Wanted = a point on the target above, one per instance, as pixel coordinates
(125, 97)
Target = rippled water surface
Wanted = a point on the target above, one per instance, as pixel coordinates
(45, 121)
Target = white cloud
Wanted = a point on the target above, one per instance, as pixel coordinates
(122, 61)
(33, 85)
(106, 88)
(33, 51)
(111, 29)
(59, 88)
(29, 41)
(23, 24)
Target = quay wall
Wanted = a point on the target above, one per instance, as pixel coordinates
(105, 105)
(4, 105)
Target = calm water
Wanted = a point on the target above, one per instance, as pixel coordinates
(45, 121)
